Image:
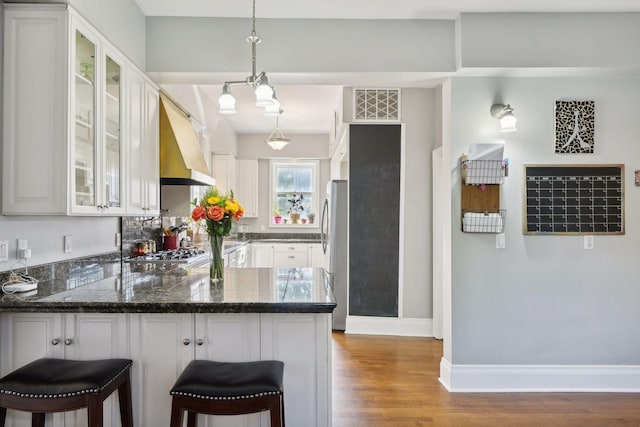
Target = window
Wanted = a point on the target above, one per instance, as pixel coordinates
(294, 193)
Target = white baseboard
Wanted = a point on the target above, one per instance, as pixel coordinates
(389, 326)
(540, 378)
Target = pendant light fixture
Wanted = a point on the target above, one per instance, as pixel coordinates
(265, 95)
(276, 140)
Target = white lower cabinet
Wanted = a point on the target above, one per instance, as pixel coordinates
(290, 255)
(303, 343)
(228, 338)
(25, 337)
(261, 255)
(161, 345)
(317, 258)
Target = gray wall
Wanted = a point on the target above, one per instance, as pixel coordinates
(418, 114)
(537, 40)
(176, 44)
(544, 299)
(306, 146)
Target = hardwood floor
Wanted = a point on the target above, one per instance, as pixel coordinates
(393, 381)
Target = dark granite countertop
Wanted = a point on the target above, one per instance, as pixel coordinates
(154, 288)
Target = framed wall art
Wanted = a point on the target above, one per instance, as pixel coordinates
(574, 126)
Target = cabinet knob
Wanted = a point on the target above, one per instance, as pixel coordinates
(291, 248)
(68, 341)
(291, 257)
(199, 341)
(55, 341)
(186, 341)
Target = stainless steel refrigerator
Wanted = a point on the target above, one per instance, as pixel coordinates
(334, 234)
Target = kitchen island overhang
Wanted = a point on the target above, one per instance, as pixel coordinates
(164, 319)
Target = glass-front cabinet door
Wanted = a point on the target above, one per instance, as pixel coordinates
(112, 161)
(96, 135)
(83, 129)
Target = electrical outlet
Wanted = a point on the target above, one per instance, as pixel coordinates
(4, 250)
(588, 242)
(24, 253)
(67, 244)
(23, 244)
(500, 241)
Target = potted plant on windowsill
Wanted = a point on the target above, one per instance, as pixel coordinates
(277, 218)
(295, 206)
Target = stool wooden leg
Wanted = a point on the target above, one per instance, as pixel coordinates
(191, 419)
(3, 416)
(276, 411)
(94, 411)
(124, 400)
(37, 419)
(176, 415)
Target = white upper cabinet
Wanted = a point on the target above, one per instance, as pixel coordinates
(65, 124)
(143, 190)
(247, 187)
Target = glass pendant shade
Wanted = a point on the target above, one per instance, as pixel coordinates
(276, 140)
(264, 93)
(226, 102)
(273, 110)
(278, 143)
(508, 123)
(504, 113)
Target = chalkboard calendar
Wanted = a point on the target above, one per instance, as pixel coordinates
(573, 199)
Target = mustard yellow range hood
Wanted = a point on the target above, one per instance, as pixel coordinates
(181, 158)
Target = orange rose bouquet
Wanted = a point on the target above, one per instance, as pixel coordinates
(218, 212)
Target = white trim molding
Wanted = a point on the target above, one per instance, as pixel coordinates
(406, 327)
(540, 378)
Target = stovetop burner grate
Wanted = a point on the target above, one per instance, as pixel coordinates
(176, 255)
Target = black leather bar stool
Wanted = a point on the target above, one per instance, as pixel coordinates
(228, 388)
(57, 385)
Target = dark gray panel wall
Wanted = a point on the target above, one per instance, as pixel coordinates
(374, 215)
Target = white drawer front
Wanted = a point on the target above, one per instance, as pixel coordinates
(291, 247)
(290, 259)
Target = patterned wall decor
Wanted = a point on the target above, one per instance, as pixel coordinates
(575, 122)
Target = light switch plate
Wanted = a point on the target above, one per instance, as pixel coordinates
(67, 244)
(500, 241)
(588, 242)
(4, 250)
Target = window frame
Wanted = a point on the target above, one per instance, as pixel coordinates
(315, 177)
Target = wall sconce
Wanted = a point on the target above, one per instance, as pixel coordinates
(504, 113)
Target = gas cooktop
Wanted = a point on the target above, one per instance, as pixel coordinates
(180, 256)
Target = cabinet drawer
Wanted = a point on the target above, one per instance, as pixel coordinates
(291, 247)
(290, 259)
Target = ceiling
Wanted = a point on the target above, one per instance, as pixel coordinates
(374, 9)
(309, 103)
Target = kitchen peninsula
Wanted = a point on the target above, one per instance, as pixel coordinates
(164, 317)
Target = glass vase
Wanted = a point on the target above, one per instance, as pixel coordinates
(216, 268)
